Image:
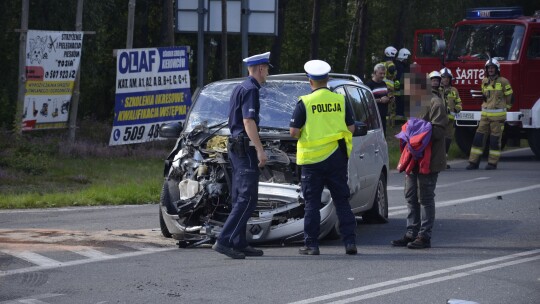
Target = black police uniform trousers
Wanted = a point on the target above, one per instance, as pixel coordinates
(331, 172)
(244, 193)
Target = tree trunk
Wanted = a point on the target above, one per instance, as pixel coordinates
(315, 29)
(361, 42)
(400, 26)
(351, 36)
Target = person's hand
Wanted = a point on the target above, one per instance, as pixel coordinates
(261, 156)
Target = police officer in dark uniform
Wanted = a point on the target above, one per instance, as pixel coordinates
(246, 155)
(323, 123)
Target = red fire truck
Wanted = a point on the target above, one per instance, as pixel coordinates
(487, 32)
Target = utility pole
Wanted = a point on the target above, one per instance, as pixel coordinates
(167, 25)
(22, 68)
(244, 31)
(131, 22)
(224, 64)
(200, 45)
(76, 89)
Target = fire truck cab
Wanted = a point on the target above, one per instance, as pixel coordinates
(487, 32)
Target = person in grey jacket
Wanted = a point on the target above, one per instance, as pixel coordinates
(420, 188)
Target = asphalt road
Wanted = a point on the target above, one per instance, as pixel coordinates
(486, 248)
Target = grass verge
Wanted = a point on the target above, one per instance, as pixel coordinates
(85, 182)
(41, 170)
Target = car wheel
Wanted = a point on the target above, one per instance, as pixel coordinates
(534, 142)
(334, 233)
(378, 214)
(164, 200)
(464, 137)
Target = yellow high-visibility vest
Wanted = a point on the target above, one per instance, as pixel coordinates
(325, 125)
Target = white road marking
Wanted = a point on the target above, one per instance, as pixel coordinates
(468, 199)
(435, 280)
(390, 188)
(521, 258)
(33, 258)
(91, 253)
(83, 261)
(33, 299)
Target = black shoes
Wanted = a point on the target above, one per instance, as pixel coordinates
(228, 251)
(491, 166)
(419, 243)
(250, 251)
(309, 250)
(402, 242)
(472, 166)
(351, 249)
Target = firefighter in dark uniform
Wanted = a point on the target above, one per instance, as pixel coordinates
(246, 155)
(497, 99)
(390, 80)
(323, 123)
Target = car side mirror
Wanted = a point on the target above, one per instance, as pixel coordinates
(360, 129)
(171, 130)
(440, 46)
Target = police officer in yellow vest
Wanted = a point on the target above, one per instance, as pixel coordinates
(323, 123)
(497, 99)
(452, 101)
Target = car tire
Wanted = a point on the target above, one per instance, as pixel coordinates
(534, 142)
(164, 200)
(464, 137)
(334, 233)
(378, 214)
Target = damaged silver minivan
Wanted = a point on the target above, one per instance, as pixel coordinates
(195, 200)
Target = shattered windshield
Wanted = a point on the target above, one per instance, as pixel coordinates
(278, 100)
(483, 41)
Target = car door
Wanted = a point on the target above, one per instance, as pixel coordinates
(376, 144)
(359, 167)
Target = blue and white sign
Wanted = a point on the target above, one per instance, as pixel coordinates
(152, 88)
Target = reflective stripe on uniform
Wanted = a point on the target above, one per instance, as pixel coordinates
(495, 152)
(476, 151)
(493, 114)
(493, 110)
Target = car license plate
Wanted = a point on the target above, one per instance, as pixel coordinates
(465, 116)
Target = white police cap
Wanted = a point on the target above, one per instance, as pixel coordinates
(258, 59)
(317, 69)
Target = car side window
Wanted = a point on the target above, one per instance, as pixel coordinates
(358, 105)
(341, 90)
(372, 108)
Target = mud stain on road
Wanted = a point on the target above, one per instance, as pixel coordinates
(29, 239)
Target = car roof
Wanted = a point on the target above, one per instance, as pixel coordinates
(335, 80)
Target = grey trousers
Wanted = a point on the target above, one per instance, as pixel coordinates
(420, 197)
